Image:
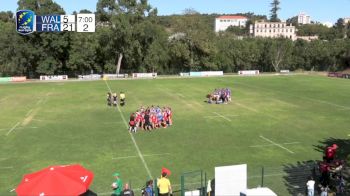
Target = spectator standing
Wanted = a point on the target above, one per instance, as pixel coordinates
(310, 186)
(324, 190)
(127, 191)
(149, 188)
(330, 153)
(164, 185)
(117, 185)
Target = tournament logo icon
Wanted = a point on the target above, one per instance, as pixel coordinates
(25, 22)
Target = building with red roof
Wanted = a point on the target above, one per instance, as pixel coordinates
(223, 22)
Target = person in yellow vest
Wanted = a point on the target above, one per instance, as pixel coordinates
(164, 185)
(122, 98)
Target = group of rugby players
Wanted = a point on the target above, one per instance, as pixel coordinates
(150, 118)
(220, 96)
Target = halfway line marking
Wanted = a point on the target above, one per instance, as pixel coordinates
(276, 144)
(132, 138)
(13, 128)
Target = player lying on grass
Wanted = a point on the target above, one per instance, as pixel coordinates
(150, 118)
(220, 96)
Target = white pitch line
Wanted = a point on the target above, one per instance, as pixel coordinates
(222, 116)
(289, 143)
(276, 144)
(219, 116)
(6, 167)
(246, 107)
(27, 127)
(13, 128)
(258, 146)
(3, 159)
(132, 138)
(126, 157)
(145, 155)
(30, 111)
(12, 190)
(109, 123)
(181, 95)
(39, 101)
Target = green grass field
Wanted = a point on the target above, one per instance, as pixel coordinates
(45, 124)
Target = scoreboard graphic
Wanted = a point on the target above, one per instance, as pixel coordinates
(27, 22)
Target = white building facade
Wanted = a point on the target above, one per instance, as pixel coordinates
(346, 20)
(303, 18)
(223, 22)
(273, 30)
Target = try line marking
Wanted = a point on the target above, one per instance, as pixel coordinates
(145, 155)
(279, 145)
(132, 137)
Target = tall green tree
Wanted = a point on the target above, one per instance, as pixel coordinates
(274, 11)
(6, 16)
(278, 53)
(48, 52)
(126, 20)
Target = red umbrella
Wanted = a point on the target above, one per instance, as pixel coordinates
(60, 180)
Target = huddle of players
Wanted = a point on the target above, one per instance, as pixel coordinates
(150, 118)
(220, 96)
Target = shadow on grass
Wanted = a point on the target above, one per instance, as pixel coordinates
(297, 174)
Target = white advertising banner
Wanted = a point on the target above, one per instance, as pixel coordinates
(144, 75)
(248, 72)
(54, 77)
(230, 180)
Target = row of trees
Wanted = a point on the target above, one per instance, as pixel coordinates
(130, 37)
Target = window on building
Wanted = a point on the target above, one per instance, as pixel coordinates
(265, 25)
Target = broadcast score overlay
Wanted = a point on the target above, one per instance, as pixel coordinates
(27, 22)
